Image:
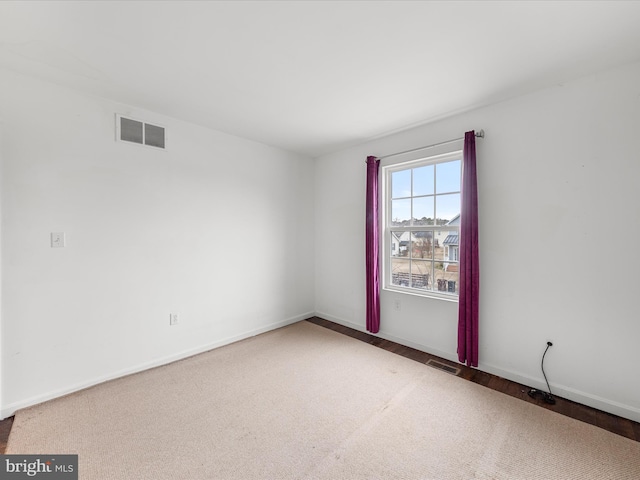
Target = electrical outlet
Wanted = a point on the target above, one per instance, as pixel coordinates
(173, 319)
(397, 305)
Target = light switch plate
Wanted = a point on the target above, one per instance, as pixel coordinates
(57, 239)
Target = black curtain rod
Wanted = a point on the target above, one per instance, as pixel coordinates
(479, 134)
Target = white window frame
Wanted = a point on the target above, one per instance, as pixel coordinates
(387, 168)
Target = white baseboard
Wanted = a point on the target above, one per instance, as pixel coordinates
(392, 338)
(10, 409)
(559, 390)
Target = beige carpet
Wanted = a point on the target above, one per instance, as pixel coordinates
(306, 402)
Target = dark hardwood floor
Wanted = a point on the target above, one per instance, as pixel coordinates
(607, 421)
(612, 423)
(5, 428)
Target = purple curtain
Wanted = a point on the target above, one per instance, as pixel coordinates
(469, 264)
(372, 241)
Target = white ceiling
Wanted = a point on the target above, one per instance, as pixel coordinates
(314, 77)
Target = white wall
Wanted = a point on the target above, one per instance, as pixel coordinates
(151, 232)
(558, 180)
(1, 223)
(216, 228)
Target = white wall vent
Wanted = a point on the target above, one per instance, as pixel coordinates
(135, 131)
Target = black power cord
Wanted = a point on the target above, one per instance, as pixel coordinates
(546, 396)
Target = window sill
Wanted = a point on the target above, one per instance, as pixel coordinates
(427, 294)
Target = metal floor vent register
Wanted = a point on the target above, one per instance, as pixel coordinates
(443, 366)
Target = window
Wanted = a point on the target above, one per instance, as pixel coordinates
(421, 221)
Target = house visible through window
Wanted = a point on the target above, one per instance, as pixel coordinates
(421, 223)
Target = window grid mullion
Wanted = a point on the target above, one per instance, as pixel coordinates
(411, 235)
(435, 196)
